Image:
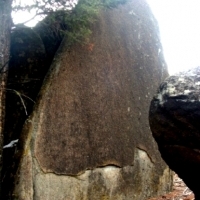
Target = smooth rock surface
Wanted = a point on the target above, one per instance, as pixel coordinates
(174, 119)
(89, 136)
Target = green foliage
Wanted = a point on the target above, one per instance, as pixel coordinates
(73, 21)
(83, 15)
(79, 21)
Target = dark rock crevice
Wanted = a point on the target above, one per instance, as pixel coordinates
(31, 53)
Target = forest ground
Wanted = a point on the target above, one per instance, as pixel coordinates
(180, 191)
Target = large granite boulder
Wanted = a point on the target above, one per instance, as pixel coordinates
(88, 136)
(174, 119)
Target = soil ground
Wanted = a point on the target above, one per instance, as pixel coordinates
(180, 191)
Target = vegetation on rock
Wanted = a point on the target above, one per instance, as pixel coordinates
(76, 19)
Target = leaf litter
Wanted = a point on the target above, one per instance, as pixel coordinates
(180, 191)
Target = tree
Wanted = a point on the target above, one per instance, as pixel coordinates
(5, 30)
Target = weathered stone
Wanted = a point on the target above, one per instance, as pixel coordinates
(174, 120)
(89, 137)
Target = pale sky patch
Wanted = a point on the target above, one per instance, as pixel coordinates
(179, 22)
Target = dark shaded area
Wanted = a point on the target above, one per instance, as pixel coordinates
(26, 72)
(5, 26)
(27, 69)
(175, 125)
(52, 30)
(32, 51)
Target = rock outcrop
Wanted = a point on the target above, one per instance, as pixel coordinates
(174, 119)
(88, 136)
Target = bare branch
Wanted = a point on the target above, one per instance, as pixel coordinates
(3, 67)
(20, 96)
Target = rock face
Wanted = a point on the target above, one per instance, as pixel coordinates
(88, 136)
(174, 120)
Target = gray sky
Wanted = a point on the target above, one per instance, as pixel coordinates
(179, 22)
